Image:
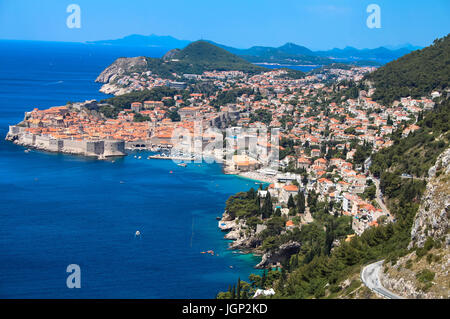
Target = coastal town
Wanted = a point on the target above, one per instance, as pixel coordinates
(225, 159)
(322, 141)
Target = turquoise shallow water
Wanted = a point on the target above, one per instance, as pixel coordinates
(57, 210)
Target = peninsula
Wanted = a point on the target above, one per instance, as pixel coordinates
(61, 129)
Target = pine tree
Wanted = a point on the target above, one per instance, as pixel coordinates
(251, 193)
(305, 180)
(301, 202)
(233, 292)
(389, 121)
(420, 116)
(312, 198)
(290, 202)
(277, 212)
(294, 262)
(258, 204)
(323, 149)
(329, 237)
(283, 274)
(267, 209)
(263, 280)
(238, 292)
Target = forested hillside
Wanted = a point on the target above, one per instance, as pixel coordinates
(417, 152)
(316, 271)
(319, 269)
(198, 57)
(415, 74)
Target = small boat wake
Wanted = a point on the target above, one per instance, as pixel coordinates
(53, 83)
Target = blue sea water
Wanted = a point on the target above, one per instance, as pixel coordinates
(57, 209)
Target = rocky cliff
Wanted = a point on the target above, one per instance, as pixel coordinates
(122, 66)
(248, 240)
(432, 218)
(279, 255)
(170, 54)
(424, 272)
(243, 238)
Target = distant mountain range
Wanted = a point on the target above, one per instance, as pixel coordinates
(287, 54)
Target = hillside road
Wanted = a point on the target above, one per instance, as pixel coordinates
(370, 276)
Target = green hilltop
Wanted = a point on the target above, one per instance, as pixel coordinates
(198, 57)
(209, 56)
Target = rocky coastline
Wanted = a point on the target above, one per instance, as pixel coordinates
(113, 89)
(121, 66)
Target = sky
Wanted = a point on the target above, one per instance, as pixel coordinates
(316, 24)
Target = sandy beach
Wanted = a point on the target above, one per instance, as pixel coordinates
(258, 177)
